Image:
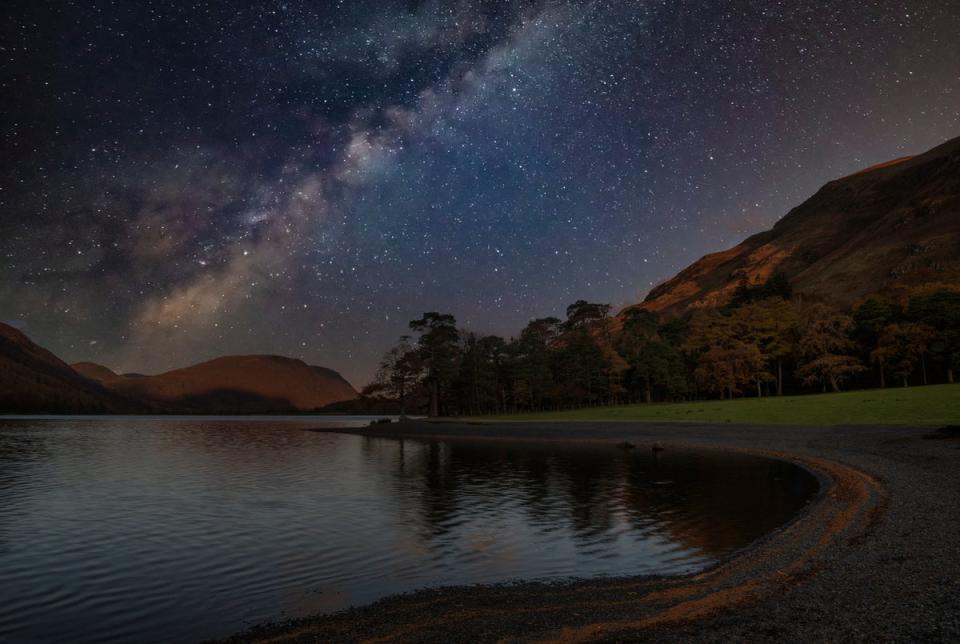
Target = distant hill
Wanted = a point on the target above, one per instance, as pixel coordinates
(95, 371)
(233, 384)
(33, 380)
(884, 230)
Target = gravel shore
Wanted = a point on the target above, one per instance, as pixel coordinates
(875, 559)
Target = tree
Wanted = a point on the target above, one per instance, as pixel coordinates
(400, 370)
(530, 367)
(708, 329)
(830, 368)
(726, 358)
(582, 314)
(777, 285)
(655, 365)
(743, 294)
(723, 369)
(674, 331)
(870, 319)
(639, 328)
(438, 349)
(659, 367)
(941, 311)
(904, 346)
(581, 367)
(543, 331)
(481, 377)
(825, 347)
(772, 324)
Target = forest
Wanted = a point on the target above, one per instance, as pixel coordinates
(764, 342)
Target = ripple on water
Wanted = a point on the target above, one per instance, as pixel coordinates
(176, 530)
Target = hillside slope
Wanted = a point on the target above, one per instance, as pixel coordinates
(33, 380)
(234, 384)
(883, 230)
(95, 371)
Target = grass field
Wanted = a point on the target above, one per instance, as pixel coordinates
(935, 405)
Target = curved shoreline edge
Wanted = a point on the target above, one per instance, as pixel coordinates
(876, 556)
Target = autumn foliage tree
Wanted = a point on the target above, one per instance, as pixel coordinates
(904, 348)
(759, 343)
(826, 348)
(771, 325)
(725, 359)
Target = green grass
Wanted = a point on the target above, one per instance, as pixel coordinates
(934, 405)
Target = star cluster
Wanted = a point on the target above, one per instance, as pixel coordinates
(189, 179)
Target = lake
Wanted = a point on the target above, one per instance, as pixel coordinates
(180, 529)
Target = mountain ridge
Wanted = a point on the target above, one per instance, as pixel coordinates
(34, 380)
(883, 230)
(235, 383)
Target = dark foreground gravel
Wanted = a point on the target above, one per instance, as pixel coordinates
(875, 559)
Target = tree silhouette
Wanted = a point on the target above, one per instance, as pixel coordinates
(401, 368)
(870, 319)
(655, 365)
(941, 311)
(904, 346)
(438, 350)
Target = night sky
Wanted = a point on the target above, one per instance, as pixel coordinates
(184, 180)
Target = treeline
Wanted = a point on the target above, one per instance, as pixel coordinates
(763, 343)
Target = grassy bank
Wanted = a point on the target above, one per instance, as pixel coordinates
(934, 405)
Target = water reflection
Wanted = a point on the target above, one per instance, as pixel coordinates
(175, 530)
(706, 502)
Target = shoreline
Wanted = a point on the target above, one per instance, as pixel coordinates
(876, 555)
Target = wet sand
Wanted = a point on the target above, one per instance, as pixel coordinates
(876, 557)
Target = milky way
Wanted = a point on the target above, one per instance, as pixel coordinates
(185, 180)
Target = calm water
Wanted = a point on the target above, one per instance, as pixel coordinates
(180, 529)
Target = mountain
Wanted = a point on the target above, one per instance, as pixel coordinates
(33, 380)
(232, 384)
(884, 230)
(95, 371)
